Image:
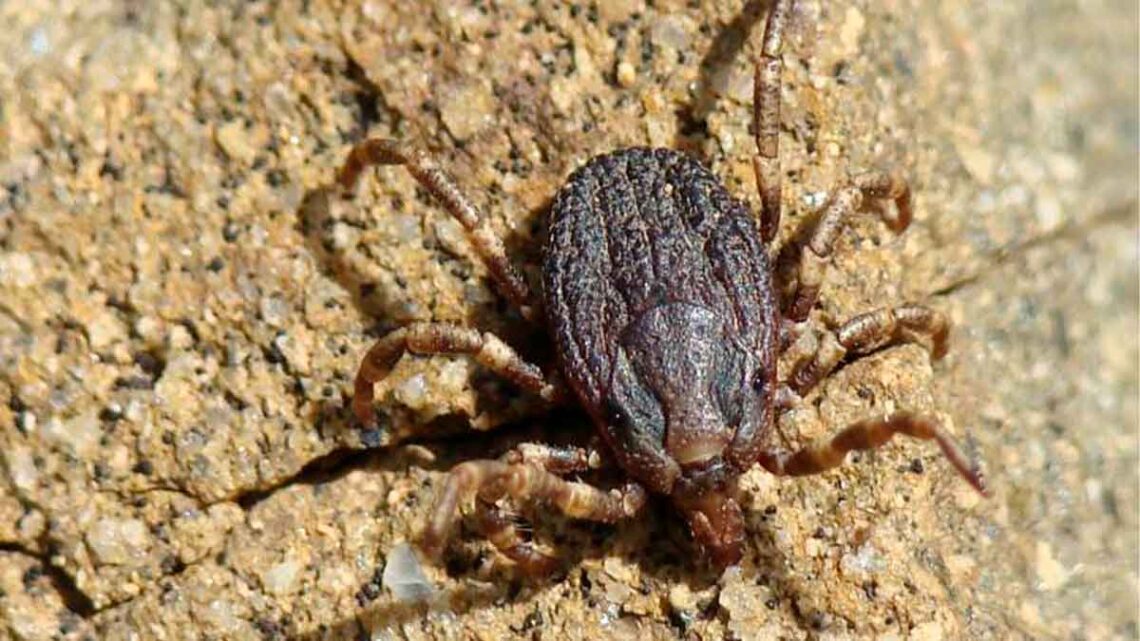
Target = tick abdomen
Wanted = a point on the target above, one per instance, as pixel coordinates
(638, 230)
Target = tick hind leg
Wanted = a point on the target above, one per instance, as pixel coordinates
(526, 476)
(766, 118)
(380, 151)
(439, 338)
(867, 435)
(816, 254)
(862, 335)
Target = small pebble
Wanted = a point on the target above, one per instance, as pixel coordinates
(235, 142)
(281, 578)
(118, 541)
(626, 75)
(468, 111)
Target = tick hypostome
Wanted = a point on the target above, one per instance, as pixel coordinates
(659, 296)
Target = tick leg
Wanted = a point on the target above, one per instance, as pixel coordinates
(381, 151)
(766, 118)
(867, 435)
(866, 333)
(500, 529)
(846, 201)
(439, 338)
(486, 482)
(556, 459)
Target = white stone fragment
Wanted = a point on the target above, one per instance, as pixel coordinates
(17, 270)
(403, 575)
(413, 391)
(281, 578)
(118, 541)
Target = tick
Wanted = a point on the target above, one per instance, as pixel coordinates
(658, 293)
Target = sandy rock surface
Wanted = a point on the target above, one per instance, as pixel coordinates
(184, 302)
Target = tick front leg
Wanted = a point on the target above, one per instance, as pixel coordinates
(766, 118)
(481, 484)
(438, 338)
(865, 333)
(816, 255)
(867, 435)
(425, 169)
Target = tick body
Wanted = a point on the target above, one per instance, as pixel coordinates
(659, 295)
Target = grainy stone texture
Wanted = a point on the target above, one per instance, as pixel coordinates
(183, 305)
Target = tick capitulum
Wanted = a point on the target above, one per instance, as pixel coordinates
(659, 296)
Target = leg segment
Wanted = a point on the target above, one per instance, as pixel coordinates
(486, 482)
(766, 118)
(866, 333)
(557, 460)
(438, 338)
(500, 529)
(379, 151)
(846, 201)
(882, 186)
(867, 435)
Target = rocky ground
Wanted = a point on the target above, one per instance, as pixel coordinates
(183, 304)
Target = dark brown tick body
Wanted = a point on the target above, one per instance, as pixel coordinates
(660, 298)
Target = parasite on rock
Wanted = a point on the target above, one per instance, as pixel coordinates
(658, 292)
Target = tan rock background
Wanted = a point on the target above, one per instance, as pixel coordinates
(183, 306)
